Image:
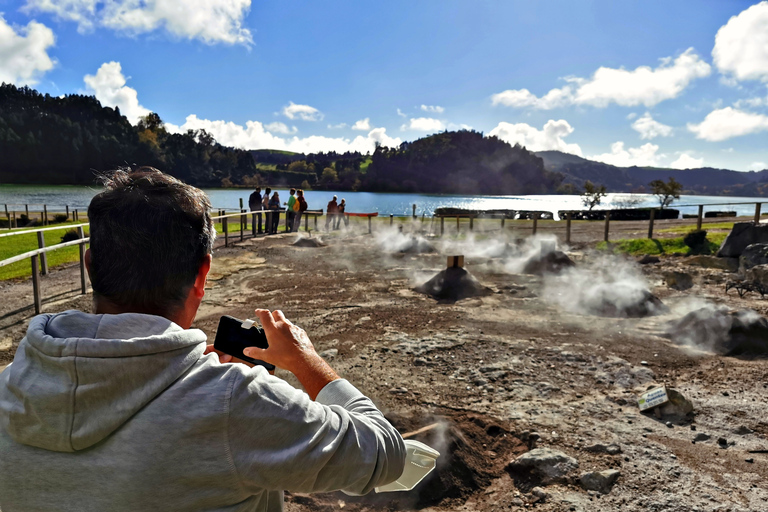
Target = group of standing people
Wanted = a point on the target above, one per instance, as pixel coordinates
(270, 203)
(335, 213)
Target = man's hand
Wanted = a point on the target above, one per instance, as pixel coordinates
(290, 349)
(226, 358)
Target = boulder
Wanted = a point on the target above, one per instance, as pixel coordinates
(729, 264)
(621, 300)
(600, 481)
(758, 273)
(308, 242)
(648, 259)
(678, 408)
(678, 280)
(753, 255)
(547, 465)
(722, 331)
(452, 284)
(552, 262)
(741, 236)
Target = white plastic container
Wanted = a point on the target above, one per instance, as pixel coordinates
(420, 460)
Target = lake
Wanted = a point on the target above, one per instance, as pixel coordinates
(56, 196)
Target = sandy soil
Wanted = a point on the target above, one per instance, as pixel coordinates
(496, 375)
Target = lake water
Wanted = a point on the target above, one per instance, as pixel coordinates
(56, 196)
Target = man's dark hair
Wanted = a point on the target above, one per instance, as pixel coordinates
(292, 191)
(268, 190)
(149, 235)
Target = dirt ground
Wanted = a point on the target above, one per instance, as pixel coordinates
(492, 377)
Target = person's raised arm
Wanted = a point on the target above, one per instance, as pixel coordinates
(291, 349)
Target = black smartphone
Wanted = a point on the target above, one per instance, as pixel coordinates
(232, 338)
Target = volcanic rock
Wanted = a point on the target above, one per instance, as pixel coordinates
(600, 481)
(742, 235)
(678, 280)
(308, 242)
(758, 273)
(753, 255)
(722, 331)
(552, 262)
(452, 284)
(417, 245)
(648, 259)
(678, 408)
(547, 465)
(729, 264)
(622, 301)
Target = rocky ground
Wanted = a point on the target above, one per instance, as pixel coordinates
(531, 400)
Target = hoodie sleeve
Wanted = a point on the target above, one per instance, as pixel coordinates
(282, 440)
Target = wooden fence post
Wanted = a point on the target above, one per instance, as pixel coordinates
(568, 228)
(67, 207)
(83, 273)
(458, 225)
(45, 215)
(306, 223)
(8, 216)
(253, 224)
(36, 285)
(502, 222)
(535, 222)
(700, 217)
(607, 224)
(15, 224)
(226, 232)
(241, 222)
(369, 224)
(442, 225)
(391, 219)
(757, 212)
(315, 223)
(26, 210)
(471, 223)
(414, 211)
(650, 224)
(43, 257)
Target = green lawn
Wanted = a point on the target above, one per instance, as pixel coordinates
(656, 246)
(11, 246)
(686, 229)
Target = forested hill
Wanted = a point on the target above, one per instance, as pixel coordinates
(701, 181)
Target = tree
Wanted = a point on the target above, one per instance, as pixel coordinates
(329, 177)
(592, 195)
(666, 192)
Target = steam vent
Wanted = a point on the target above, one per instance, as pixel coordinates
(724, 332)
(623, 301)
(417, 245)
(308, 242)
(454, 283)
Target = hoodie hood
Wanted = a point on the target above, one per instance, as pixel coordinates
(78, 377)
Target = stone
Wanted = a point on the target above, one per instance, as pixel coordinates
(331, 353)
(611, 449)
(453, 284)
(722, 442)
(714, 262)
(678, 408)
(551, 263)
(599, 481)
(540, 493)
(741, 236)
(548, 465)
(308, 242)
(678, 280)
(722, 331)
(701, 436)
(742, 430)
(758, 273)
(648, 259)
(753, 255)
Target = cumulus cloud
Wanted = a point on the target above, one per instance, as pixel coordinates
(24, 53)
(436, 109)
(401, 113)
(686, 161)
(337, 126)
(726, 123)
(649, 128)
(362, 125)
(210, 21)
(644, 156)
(303, 112)
(424, 124)
(254, 135)
(758, 166)
(278, 127)
(108, 85)
(550, 137)
(641, 86)
(751, 102)
(741, 45)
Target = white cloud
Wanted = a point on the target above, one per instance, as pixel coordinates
(461, 126)
(550, 137)
(641, 86)
(278, 127)
(741, 45)
(644, 156)
(728, 122)
(631, 116)
(337, 126)
(254, 135)
(108, 85)
(401, 113)
(362, 125)
(649, 128)
(433, 108)
(424, 124)
(751, 102)
(686, 161)
(303, 112)
(24, 54)
(211, 21)
(758, 166)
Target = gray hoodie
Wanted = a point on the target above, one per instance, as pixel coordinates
(124, 412)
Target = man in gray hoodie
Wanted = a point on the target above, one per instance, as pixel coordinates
(128, 408)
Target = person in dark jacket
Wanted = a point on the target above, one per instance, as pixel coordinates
(254, 203)
(302, 208)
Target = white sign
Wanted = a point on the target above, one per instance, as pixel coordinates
(652, 398)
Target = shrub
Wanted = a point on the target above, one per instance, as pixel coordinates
(60, 217)
(695, 238)
(70, 236)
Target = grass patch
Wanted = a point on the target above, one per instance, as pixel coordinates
(685, 229)
(656, 246)
(11, 246)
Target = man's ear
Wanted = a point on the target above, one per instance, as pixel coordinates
(88, 262)
(202, 274)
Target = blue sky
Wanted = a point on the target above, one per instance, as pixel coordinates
(682, 84)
